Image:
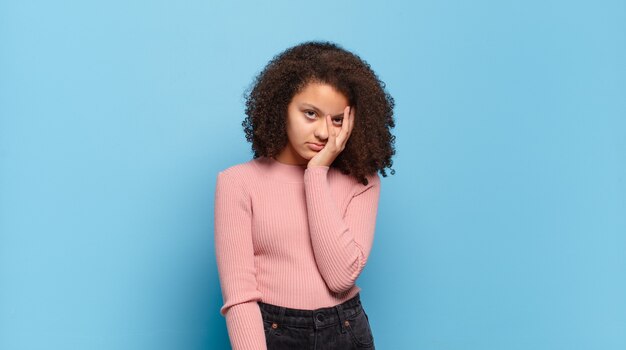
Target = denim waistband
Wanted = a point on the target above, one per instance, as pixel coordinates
(318, 318)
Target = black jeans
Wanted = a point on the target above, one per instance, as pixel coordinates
(344, 326)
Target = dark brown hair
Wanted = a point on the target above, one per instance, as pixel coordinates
(371, 144)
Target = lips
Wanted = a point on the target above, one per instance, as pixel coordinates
(315, 146)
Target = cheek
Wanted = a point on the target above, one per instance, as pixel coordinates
(299, 137)
(294, 134)
(299, 132)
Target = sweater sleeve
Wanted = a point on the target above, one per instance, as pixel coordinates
(341, 244)
(235, 262)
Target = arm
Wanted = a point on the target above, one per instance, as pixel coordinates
(341, 245)
(235, 262)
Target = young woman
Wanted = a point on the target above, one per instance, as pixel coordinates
(294, 226)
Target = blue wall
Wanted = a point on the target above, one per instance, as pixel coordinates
(504, 226)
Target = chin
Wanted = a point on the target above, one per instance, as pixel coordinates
(308, 154)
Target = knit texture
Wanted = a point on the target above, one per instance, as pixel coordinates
(288, 235)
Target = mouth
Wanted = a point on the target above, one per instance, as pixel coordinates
(315, 146)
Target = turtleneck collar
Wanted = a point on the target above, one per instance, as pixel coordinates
(281, 172)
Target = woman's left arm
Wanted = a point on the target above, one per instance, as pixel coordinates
(341, 245)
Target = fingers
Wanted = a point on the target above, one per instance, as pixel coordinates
(339, 138)
(344, 121)
(344, 133)
(351, 119)
(348, 121)
(352, 115)
(330, 130)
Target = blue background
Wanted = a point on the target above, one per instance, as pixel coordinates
(504, 226)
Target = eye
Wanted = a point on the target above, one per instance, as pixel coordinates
(336, 121)
(305, 113)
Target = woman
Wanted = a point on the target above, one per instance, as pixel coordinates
(294, 226)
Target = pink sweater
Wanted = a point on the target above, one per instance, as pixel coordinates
(288, 235)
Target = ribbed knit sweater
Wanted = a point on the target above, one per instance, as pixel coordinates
(291, 236)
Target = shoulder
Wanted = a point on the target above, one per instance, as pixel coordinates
(240, 170)
(373, 183)
(352, 184)
(238, 174)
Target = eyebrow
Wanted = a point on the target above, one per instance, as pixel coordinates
(317, 109)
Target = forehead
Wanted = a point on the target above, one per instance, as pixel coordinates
(322, 96)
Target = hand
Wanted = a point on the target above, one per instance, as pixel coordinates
(336, 139)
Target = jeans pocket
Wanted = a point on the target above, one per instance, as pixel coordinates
(359, 328)
(269, 330)
(267, 327)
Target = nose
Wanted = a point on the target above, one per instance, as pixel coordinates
(321, 132)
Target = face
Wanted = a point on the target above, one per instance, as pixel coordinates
(306, 121)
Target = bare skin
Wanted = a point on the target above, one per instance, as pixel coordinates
(319, 114)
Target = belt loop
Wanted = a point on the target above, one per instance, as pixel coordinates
(341, 315)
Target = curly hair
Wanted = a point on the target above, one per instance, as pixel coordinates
(371, 144)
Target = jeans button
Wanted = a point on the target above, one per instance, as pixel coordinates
(320, 317)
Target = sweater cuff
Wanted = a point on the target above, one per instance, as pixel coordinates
(245, 327)
(315, 174)
(317, 169)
